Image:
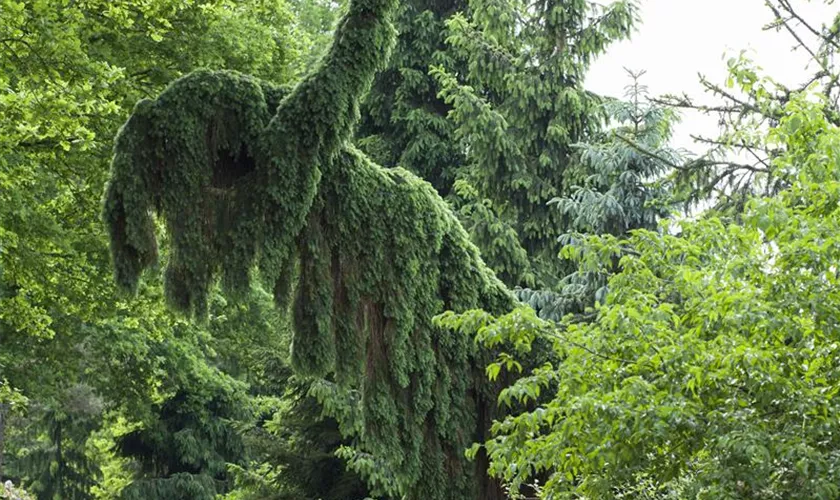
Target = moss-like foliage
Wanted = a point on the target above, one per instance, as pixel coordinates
(368, 256)
(386, 255)
(233, 178)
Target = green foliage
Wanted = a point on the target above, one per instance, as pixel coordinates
(290, 445)
(703, 371)
(620, 174)
(211, 120)
(230, 182)
(620, 182)
(55, 464)
(490, 141)
(485, 138)
(376, 253)
(315, 21)
(519, 107)
(707, 373)
(404, 122)
(183, 450)
(70, 72)
(296, 453)
(416, 406)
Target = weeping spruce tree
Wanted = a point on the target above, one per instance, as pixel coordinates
(256, 182)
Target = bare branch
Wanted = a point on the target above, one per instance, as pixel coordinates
(795, 35)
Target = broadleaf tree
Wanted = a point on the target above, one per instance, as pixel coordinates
(70, 73)
(706, 373)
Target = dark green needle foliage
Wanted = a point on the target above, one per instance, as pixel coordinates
(228, 182)
(182, 453)
(55, 464)
(295, 450)
(367, 255)
(518, 109)
(404, 121)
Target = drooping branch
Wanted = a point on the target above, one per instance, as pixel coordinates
(269, 147)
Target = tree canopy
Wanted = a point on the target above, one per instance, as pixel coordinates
(378, 249)
(707, 373)
(370, 255)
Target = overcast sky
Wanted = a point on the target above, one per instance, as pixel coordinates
(680, 38)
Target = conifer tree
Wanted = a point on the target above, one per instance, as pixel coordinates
(404, 121)
(370, 255)
(183, 449)
(290, 445)
(55, 465)
(619, 182)
(407, 123)
(519, 109)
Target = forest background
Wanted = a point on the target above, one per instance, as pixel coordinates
(689, 301)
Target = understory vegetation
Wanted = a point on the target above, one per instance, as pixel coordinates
(382, 249)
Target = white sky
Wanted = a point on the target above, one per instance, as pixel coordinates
(680, 38)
